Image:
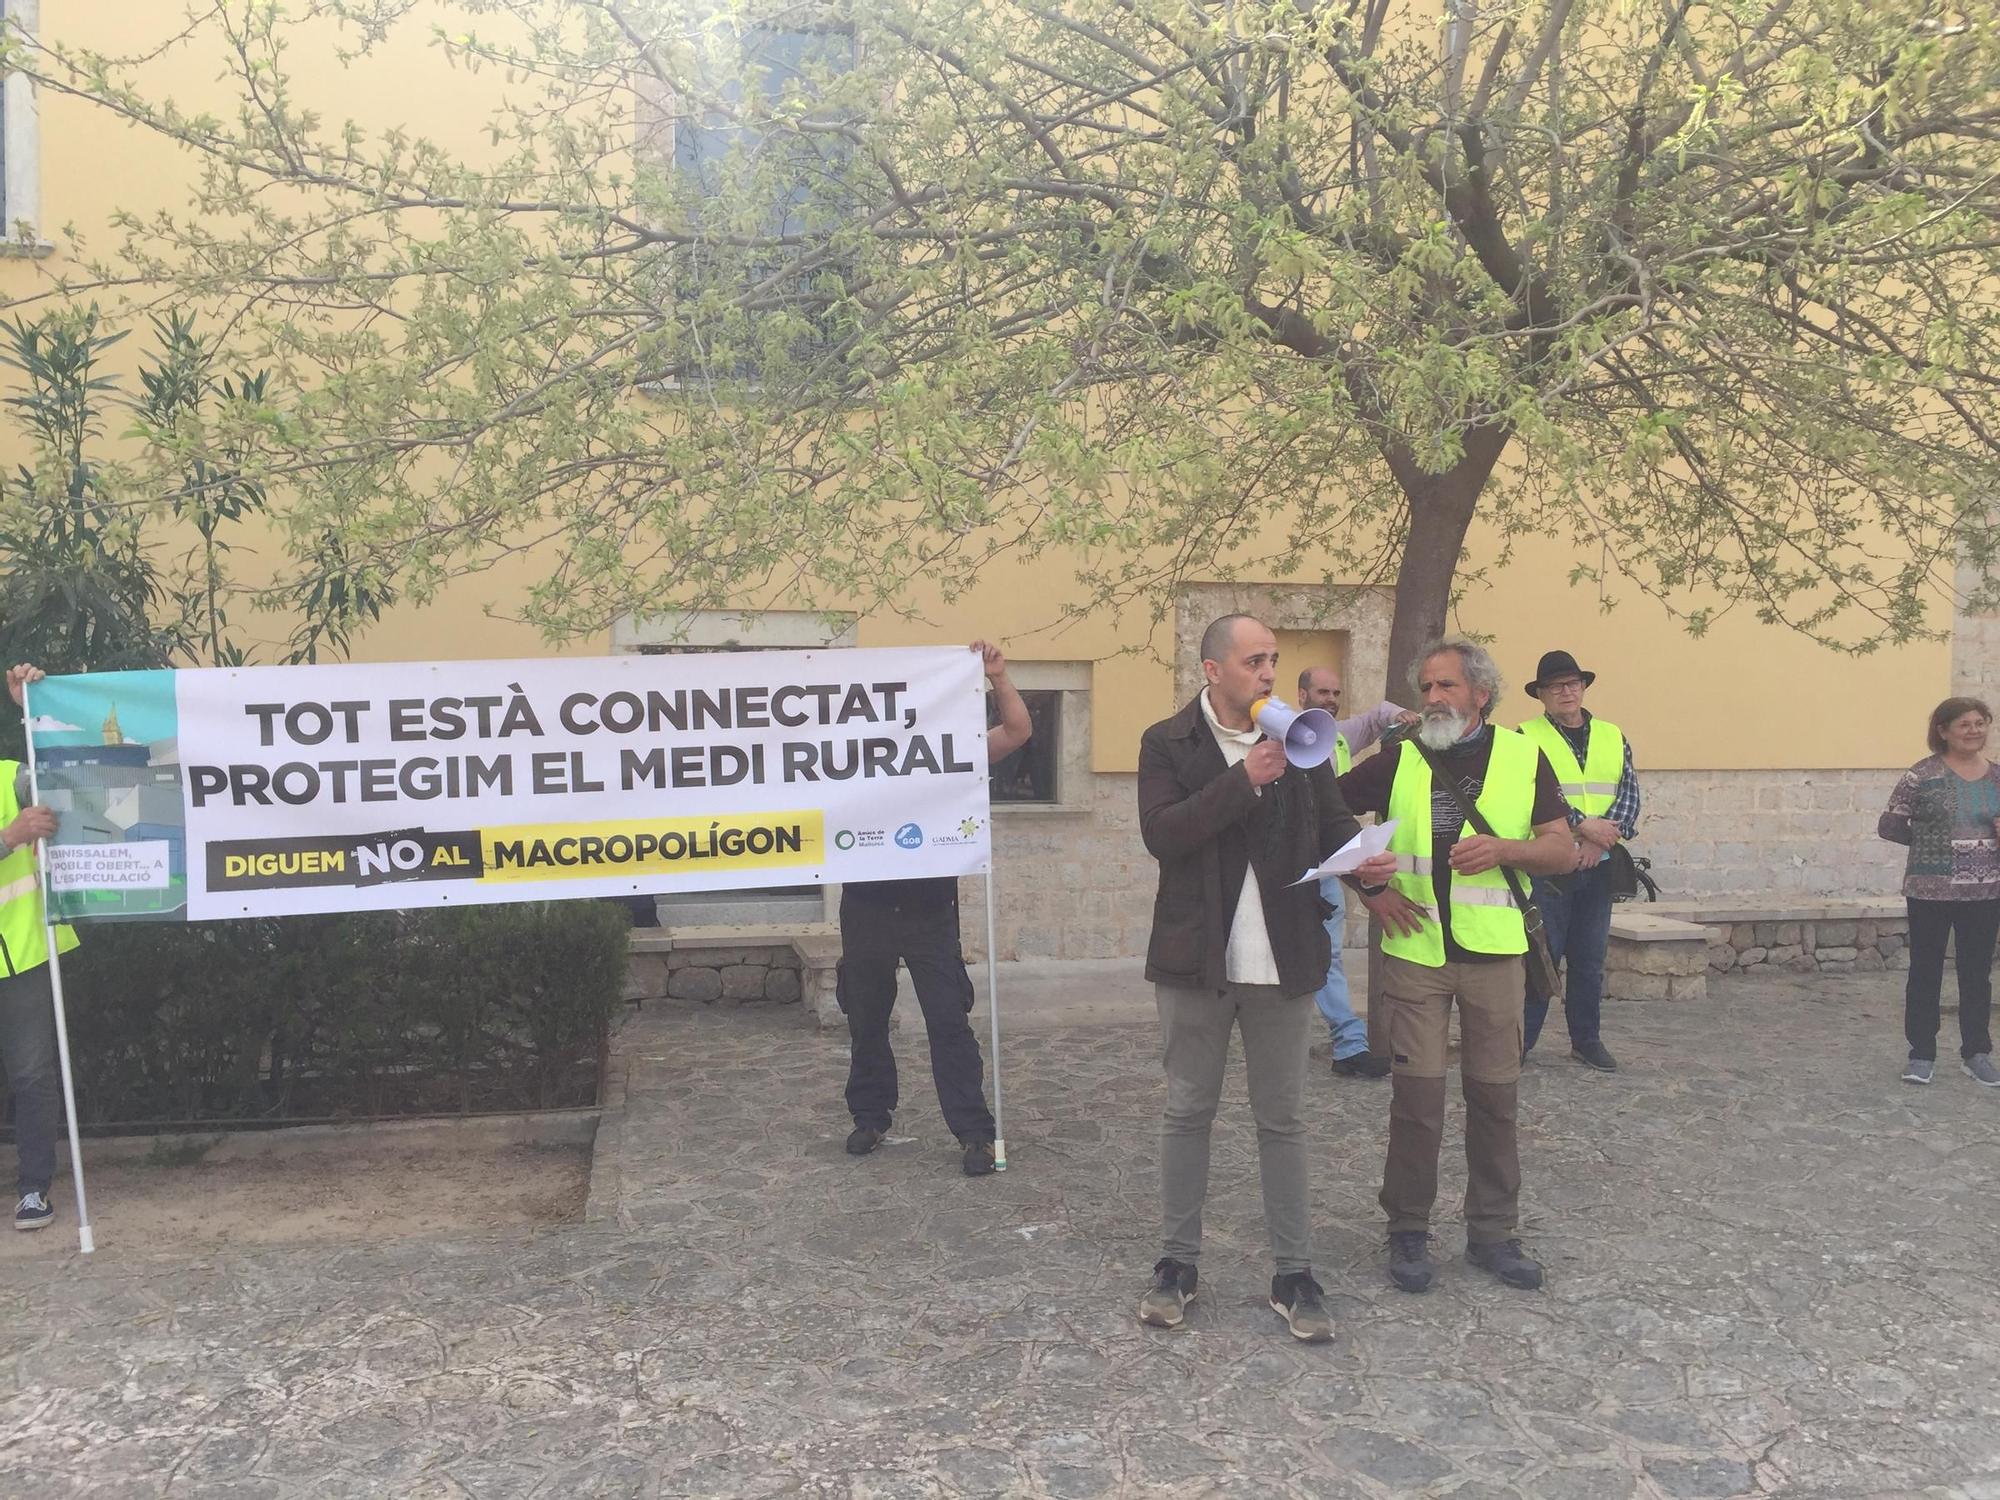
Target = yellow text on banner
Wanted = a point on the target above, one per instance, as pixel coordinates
(654, 846)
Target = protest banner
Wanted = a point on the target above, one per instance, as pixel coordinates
(261, 791)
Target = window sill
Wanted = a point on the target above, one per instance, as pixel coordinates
(1040, 809)
(26, 249)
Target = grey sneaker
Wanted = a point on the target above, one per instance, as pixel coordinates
(1172, 1290)
(1299, 1300)
(1980, 1069)
(1918, 1070)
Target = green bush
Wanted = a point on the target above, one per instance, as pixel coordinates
(382, 1013)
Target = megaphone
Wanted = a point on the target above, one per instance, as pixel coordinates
(1306, 734)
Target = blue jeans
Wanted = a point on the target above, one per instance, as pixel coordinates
(1350, 1032)
(1578, 922)
(34, 1079)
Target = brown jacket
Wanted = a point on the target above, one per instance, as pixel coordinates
(1194, 811)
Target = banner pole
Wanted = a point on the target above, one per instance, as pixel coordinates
(84, 1239)
(993, 1017)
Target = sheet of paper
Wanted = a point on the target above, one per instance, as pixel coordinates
(1351, 855)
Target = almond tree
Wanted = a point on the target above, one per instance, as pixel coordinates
(813, 300)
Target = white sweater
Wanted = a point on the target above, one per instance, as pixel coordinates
(1249, 959)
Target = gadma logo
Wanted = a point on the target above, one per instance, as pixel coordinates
(909, 836)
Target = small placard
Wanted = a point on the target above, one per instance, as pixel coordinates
(144, 865)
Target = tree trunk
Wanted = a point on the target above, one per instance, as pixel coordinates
(1441, 510)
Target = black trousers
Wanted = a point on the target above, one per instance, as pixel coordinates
(923, 933)
(1973, 924)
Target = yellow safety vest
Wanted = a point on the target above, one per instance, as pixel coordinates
(1343, 758)
(1590, 786)
(24, 941)
(1484, 918)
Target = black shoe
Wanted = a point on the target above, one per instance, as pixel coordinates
(978, 1158)
(1172, 1290)
(863, 1139)
(1297, 1298)
(1362, 1065)
(1594, 1055)
(33, 1212)
(1507, 1260)
(1410, 1264)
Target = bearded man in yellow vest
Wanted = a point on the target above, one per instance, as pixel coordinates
(1593, 761)
(27, 1005)
(1453, 935)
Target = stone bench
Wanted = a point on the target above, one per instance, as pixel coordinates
(1653, 957)
(1827, 937)
(738, 965)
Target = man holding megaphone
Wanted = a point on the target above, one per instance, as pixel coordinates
(1235, 813)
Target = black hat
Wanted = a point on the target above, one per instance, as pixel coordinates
(1557, 664)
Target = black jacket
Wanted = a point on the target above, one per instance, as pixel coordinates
(1194, 814)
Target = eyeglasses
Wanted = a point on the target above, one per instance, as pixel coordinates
(1572, 685)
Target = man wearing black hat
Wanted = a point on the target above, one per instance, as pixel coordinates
(1593, 761)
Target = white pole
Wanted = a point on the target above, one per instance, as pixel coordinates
(993, 1016)
(83, 1236)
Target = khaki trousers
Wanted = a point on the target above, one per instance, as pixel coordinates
(1419, 1001)
(1194, 1028)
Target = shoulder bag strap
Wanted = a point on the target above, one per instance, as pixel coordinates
(1468, 808)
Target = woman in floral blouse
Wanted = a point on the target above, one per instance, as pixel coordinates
(1947, 809)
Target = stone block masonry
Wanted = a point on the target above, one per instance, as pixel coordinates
(740, 976)
(1080, 884)
(1863, 937)
(1655, 958)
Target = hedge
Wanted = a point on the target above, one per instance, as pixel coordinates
(382, 1013)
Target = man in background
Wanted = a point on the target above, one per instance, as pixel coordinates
(1353, 1056)
(1593, 761)
(915, 922)
(27, 1003)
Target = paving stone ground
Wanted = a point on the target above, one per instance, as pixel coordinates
(1773, 1270)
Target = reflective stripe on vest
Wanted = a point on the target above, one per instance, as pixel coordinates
(1591, 786)
(24, 940)
(1484, 918)
(1343, 758)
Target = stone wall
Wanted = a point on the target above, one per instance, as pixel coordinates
(1655, 970)
(1068, 885)
(1781, 835)
(1864, 945)
(1975, 644)
(739, 976)
(1080, 885)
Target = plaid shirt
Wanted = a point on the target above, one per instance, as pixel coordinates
(1625, 801)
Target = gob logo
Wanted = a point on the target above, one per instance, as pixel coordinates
(844, 839)
(909, 836)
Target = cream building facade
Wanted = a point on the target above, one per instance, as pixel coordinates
(1764, 758)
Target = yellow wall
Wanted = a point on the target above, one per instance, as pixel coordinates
(1747, 696)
